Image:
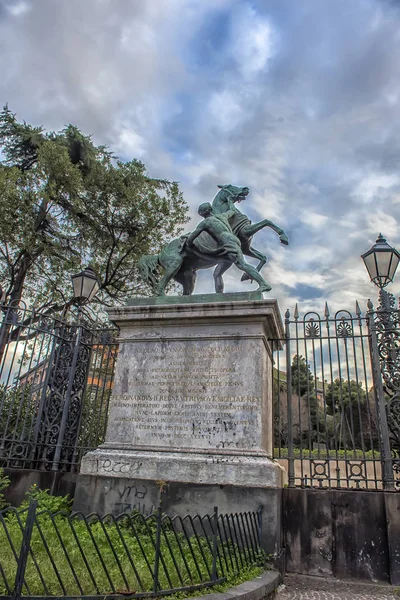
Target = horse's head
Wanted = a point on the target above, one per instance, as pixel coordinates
(235, 193)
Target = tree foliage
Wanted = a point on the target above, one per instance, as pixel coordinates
(302, 378)
(341, 394)
(67, 203)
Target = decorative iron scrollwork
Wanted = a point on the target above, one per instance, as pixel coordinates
(312, 329)
(387, 324)
(356, 470)
(319, 469)
(63, 380)
(344, 324)
(344, 328)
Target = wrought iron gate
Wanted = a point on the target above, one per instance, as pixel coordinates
(336, 394)
(55, 382)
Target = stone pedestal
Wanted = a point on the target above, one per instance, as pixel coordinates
(192, 399)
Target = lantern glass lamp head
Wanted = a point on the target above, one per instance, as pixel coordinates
(86, 285)
(381, 262)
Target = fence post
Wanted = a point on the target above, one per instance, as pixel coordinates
(215, 544)
(156, 584)
(24, 552)
(386, 455)
(67, 399)
(57, 336)
(291, 472)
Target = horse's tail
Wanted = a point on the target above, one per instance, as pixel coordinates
(147, 266)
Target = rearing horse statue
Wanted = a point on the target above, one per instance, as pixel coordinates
(182, 261)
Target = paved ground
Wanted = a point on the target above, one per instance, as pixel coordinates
(300, 587)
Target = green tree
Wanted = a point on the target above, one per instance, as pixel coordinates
(342, 393)
(346, 402)
(67, 203)
(319, 425)
(302, 378)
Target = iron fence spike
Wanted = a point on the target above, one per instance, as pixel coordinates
(296, 312)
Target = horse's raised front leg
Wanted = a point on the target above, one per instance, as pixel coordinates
(249, 230)
(254, 254)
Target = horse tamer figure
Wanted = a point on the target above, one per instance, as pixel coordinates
(220, 240)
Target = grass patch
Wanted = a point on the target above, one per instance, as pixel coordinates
(71, 556)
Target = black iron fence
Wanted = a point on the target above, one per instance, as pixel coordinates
(45, 554)
(336, 398)
(56, 378)
(336, 394)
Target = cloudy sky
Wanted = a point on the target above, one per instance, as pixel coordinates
(297, 99)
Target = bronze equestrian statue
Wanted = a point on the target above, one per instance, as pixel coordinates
(220, 240)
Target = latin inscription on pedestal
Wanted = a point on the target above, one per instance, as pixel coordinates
(190, 394)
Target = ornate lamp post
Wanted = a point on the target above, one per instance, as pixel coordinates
(66, 381)
(86, 285)
(381, 262)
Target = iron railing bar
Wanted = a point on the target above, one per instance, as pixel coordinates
(252, 533)
(289, 401)
(150, 535)
(221, 548)
(66, 553)
(212, 522)
(191, 520)
(365, 339)
(92, 373)
(246, 545)
(233, 543)
(206, 535)
(350, 406)
(46, 591)
(237, 540)
(171, 554)
(248, 536)
(276, 406)
(108, 380)
(127, 551)
(49, 554)
(71, 520)
(190, 547)
(168, 519)
(239, 537)
(225, 541)
(13, 550)
(101, 521)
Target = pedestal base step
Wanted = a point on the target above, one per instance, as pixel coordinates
(187, 467)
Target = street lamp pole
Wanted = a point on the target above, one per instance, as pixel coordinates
(381, 262)
(85, 286)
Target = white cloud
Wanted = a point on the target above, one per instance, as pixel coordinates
(381, 221)
(18, 8)
(233, 91)
(131, 143)
(375, 184)
(254, 41)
